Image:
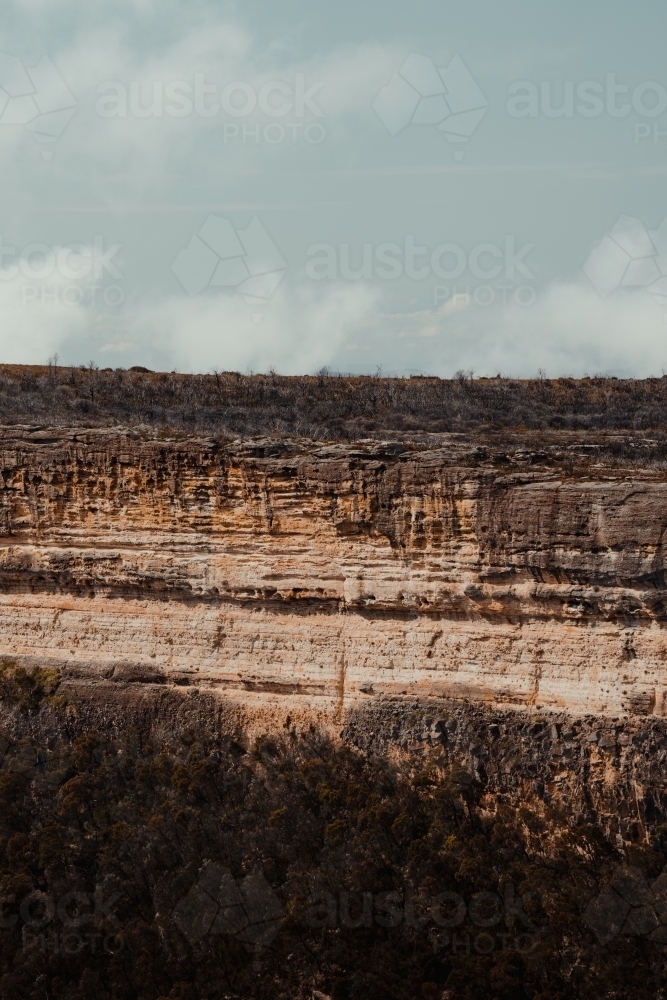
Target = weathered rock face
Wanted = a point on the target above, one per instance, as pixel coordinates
(597, 770)
(304, 578)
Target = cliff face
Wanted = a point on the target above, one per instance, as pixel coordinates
(296, 577)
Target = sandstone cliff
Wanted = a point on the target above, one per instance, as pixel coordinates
(301, 577)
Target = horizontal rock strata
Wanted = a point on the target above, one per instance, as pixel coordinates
(285, 573)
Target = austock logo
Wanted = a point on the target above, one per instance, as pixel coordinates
(240, 99)
(632, 257)
(67, 275)
(75, 922)
(421, 94)
(252, 912)
(37, 98)
(218, 256)
(485, 923)
(629, 905)
(217, 904)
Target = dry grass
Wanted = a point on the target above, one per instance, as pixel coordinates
(329, 407)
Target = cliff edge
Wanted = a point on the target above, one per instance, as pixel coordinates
(316, 577)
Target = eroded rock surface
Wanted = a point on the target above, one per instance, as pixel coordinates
(318, 578)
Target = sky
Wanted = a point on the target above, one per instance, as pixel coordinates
(424, 187)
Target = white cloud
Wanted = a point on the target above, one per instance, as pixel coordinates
(215, 45)
(137, 162)
(569, 329)
(299, 331)
(34, 323)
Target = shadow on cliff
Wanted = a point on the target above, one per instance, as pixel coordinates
(151, 849)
